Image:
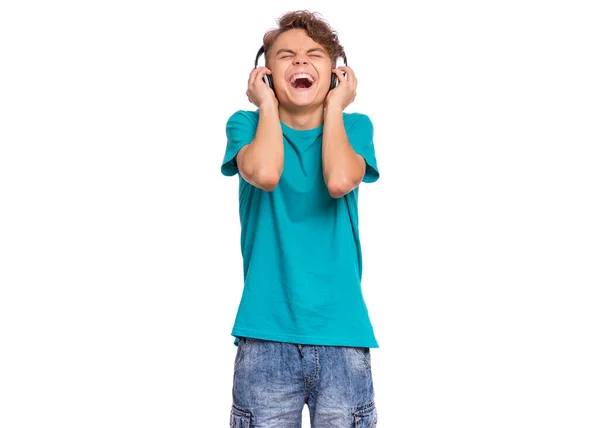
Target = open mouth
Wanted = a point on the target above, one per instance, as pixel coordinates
(301, 81)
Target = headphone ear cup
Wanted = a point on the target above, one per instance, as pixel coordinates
(270, 81)
(334, 81)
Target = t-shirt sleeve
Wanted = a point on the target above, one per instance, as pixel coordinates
(240, 130)
(360, 136)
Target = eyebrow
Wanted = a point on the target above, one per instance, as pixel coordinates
(308, 51)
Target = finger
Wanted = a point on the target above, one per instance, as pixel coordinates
(340, 76)
(260, 73)
(350, 76)
(253, 74)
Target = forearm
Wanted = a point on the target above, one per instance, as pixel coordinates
(342, 168)
(261, 161)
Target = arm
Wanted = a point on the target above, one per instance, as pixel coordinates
(343, 168)
(261, 162)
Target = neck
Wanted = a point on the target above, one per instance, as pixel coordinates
(302, 118)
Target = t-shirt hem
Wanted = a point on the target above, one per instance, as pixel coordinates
(306, 340)
(229, 166)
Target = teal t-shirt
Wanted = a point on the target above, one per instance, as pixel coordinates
(302, 260)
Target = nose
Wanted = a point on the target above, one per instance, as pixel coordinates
(300, 60)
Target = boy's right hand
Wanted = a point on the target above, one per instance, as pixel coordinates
(259, 93)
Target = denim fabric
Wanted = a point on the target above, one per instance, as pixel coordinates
(273, 381)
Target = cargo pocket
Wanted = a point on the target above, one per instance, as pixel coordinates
(365, 416)
(239, 418)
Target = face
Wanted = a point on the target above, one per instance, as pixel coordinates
(301, 69)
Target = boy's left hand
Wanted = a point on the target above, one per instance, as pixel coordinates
(345, 91)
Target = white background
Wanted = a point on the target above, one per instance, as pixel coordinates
(120, 267)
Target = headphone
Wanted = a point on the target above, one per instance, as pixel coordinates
(269, 79)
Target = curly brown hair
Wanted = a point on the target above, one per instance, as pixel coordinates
(315, 26)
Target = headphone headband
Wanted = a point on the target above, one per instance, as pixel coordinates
(260, 52)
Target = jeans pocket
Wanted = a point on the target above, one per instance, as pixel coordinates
(365, 355)
(239, 418)
(240, 352)
(365, 416)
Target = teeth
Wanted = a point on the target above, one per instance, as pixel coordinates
(302, 76)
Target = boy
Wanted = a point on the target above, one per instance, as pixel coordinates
(302, 328)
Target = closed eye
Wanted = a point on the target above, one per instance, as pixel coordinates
(312, 55)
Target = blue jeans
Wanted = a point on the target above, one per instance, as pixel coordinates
(273, 380)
